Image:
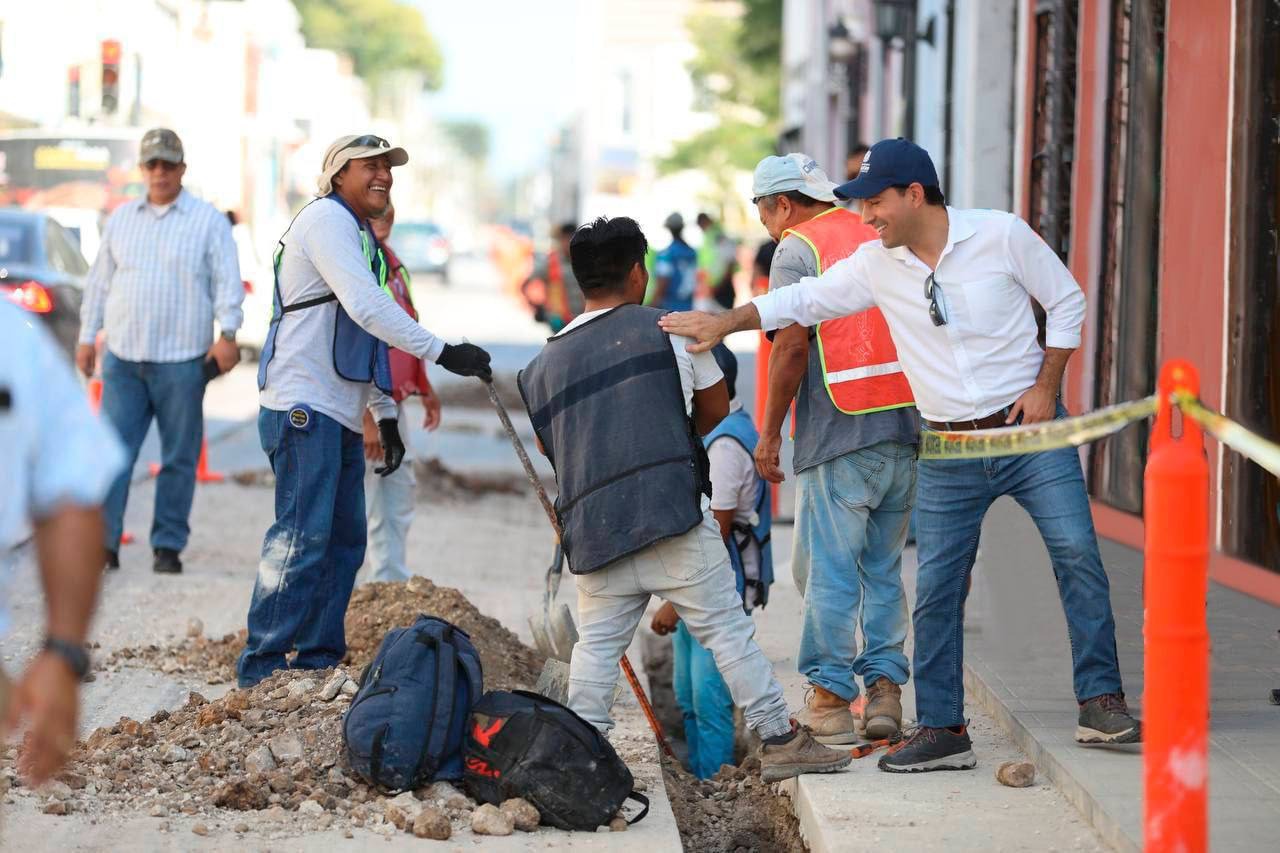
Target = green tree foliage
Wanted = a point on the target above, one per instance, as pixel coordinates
(471, 137)
(380, 36)
(736, 77)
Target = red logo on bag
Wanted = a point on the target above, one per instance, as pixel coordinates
(480, 767)
(484, 735)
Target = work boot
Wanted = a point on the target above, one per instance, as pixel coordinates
(798, 752)
(927, 748)
(167, 562)
(882, 715)
(113, 560)
(1106, 719)
(827, 716)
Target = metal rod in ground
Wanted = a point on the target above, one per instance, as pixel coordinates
(534, 479)
(643, 698)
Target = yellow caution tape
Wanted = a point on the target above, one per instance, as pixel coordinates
(1249, 444)
(1050, 435)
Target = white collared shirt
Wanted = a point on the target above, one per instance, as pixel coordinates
(986, 356)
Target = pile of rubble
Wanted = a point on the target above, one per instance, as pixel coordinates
(732, 812)
(269, 759)
(437, 483)
(375, 609)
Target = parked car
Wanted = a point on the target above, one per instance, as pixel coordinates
(422, 247)
(259, 282)
(43, 271)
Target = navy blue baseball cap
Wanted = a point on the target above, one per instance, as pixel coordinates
(890, 162)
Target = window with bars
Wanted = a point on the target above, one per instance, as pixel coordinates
(1251, 511)
(1053, 122)
(1128, 285)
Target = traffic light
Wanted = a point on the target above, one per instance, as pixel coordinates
(110, 76)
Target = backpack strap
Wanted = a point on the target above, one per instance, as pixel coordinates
(475, 679)
(442, 701)
(642, 800)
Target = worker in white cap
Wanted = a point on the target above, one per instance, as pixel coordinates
(332, 321)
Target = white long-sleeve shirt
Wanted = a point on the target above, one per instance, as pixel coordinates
(161, 279)
(986, 356)
(323, 255)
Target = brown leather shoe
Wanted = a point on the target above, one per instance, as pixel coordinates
(801, 754)
(827, 716)
(882, 715)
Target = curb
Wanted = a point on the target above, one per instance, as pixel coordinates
(1076, 792)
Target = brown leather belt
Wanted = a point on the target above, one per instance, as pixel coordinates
(991, 421)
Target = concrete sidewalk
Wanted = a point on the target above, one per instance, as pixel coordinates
(1019, 670)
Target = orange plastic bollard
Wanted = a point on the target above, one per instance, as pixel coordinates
(1176, 699)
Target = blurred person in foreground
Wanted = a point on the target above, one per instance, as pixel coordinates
(634, 491)
(740, 503)
(326, 359)
(675, 270)
(854, 415)
(955, 287)
(54, 497)
(166, 271)
(391, 497)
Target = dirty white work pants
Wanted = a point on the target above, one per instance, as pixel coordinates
(691, 571)
(390, 502)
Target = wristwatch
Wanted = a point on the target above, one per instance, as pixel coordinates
(73, 654)
(229, 336)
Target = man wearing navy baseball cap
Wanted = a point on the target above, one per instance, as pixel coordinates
(953, 285)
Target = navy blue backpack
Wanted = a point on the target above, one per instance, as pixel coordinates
(406, 724)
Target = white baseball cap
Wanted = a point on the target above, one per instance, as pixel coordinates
(344, 149)
(792, 172)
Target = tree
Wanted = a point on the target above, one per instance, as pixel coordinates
(737, 77)
(470, 136)
(380, 36)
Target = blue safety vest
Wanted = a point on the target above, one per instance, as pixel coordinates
(738, 426)
(358, 356)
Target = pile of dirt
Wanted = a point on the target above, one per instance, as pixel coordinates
(268, 759)
(473, 395)
(375, 608)
(437, 483)
(733, 812)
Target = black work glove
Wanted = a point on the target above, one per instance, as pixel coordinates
(466, 360)
(392, 446)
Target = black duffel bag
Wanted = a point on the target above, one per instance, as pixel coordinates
(522, 744)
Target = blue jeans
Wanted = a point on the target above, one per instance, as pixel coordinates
(704, 700)
(954, 497)
(850, 529)
(134, 392)
(312, 552)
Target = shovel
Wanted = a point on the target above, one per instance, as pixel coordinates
(554, 633)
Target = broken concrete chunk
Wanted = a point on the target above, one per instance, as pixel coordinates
(431, 823)
(333, 686)
(301, 687)
(57, 790)
(350, 688)
(174, 754)
(618, 824)
(310, 807)
(200, 829)
(490, 820)
(259, 761)
(195, 628)
(1016, 774)
(522, 813)
(287, 747)
(56, 807)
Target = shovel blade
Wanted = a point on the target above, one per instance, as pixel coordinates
(563, 634)
(554, 681)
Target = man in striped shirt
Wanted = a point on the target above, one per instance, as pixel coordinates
(166, 270)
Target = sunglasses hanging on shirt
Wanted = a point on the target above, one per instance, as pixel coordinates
(931, 291)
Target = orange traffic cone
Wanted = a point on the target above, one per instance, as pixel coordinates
(203, 474)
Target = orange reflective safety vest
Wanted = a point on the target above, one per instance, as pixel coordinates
(859, 361)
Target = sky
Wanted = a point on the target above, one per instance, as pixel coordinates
(510, 65)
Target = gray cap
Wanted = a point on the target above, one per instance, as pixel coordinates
(792, 173)
(675, 222)
(160, 143)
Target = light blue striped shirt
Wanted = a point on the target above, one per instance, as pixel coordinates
(159, 282)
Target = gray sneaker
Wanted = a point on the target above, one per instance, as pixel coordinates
(1106, 719)
(801, 754)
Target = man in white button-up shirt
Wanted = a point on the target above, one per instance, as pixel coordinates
(955, 287)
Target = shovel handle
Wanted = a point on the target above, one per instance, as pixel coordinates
(534, 480)
(643, 699)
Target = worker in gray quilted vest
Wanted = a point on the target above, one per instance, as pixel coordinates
(619, 408)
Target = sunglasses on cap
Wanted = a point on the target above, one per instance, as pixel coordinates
(366, 141)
